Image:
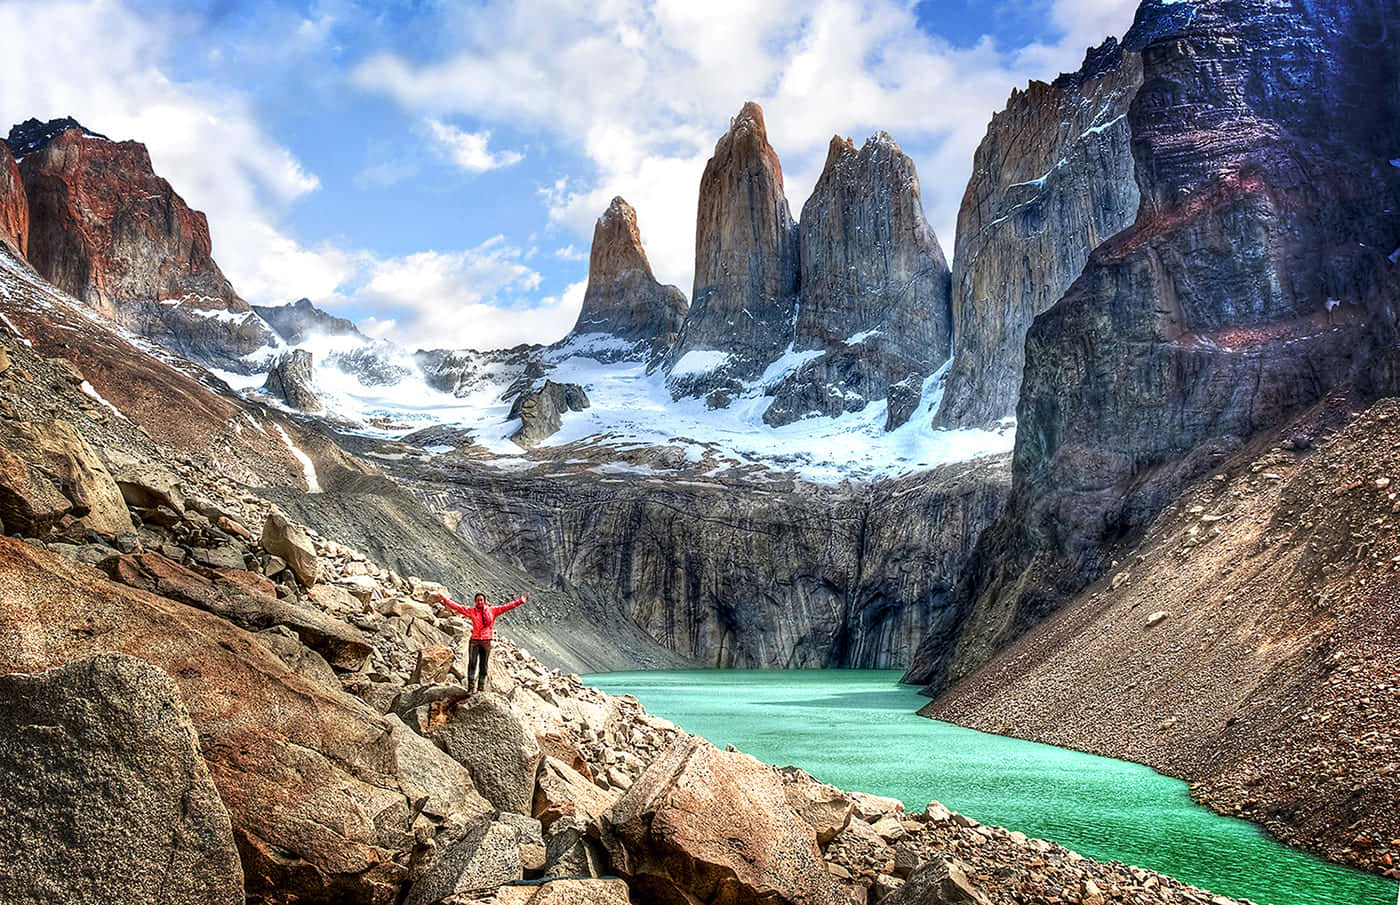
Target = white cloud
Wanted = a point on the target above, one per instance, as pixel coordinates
(469, 150)
(482, 297)
(643, 90)
(570, 253)
(101, 63)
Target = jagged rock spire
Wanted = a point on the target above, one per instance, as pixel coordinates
(623, 297)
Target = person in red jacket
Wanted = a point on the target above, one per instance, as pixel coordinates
(483, 620)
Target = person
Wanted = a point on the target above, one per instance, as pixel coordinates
(483, 620)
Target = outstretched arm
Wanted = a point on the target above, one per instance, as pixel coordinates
(506, 607)
(452, 605)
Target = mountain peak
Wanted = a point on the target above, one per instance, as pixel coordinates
(623, 297)
(32, 135)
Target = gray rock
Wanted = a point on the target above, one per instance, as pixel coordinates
(486, 856)
(439, 786)
(532, 847)
(569, 852)
(292, 379)
(145, 485)
(299, 658)
(486, 737)
(283, 538)
(107, 798)
(541, 412)
(940, 882)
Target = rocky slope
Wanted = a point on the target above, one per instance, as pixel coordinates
(746, 268)
(106, 229)
(307, 700)
(301, 320)
(1052, 179)
(14, 206)
(1248, 643)
(623, 298)
(1254, 280)
(873, 282)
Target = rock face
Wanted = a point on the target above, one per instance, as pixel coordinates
(874, 285)
(107, 230)
(502, 757)
(623, 299)
(299, 321)
(746, 267)
(740, 574)
(1052, 179)
(293, 380)
(320, 812)
(711, 826)
(107, 798)
(1251, 284)
(14, 206)
(541, 412)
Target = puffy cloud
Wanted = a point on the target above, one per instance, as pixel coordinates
(644, 89)
(482, 297)
(469, 150)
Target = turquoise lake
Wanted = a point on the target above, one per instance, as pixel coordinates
(858, 730)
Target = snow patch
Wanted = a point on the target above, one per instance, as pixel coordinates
(308, 467)
(15, 330)
(699, 361)
(859, 338)
(92, 393)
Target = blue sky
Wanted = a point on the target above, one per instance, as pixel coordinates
(433, 168)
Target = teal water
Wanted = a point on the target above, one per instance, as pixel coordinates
(858, 730)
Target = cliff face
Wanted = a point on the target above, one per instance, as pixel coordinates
(740, 573)
(623, 297)
(1254, 281)
(1051, 180)
(14, 207)
(874, 285)
(106, 229)
(746, 267)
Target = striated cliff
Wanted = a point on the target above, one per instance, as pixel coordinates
(746, 268)
(106, 229)
(743, 572)
(874, 285)
(623, 298)
(1254, 281)
(14, 206)
(1051, 180)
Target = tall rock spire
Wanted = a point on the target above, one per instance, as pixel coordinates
(875, 287)
(623, 297)
(746, 267)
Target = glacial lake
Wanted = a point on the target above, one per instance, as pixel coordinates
(858, 730)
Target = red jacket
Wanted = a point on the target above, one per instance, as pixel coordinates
(483, 619)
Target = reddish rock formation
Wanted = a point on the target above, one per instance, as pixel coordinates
(14, 207)
(106, 229)
(623, 297)
(874, 285)
(746, 271)
(1257, 278)
(1051, 180)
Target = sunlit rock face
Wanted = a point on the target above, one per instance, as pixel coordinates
(1257, 278)
(14, 207)
(1052, 179)
(746, 267)
(874, 285)
(106, 229)
(623, 298)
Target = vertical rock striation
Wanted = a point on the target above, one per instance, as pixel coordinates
(623, 298)
(1052, 178)
(106, 229)
(874, 285)
(1257, 278)
(746, 268)
(14, 207)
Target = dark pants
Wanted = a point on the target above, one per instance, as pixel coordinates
(478, 660)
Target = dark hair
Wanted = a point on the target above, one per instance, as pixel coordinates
(478, 594)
